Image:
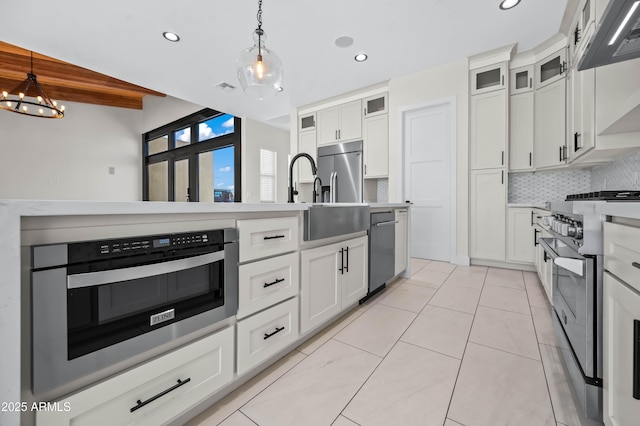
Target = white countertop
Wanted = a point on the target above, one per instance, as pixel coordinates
(527, 205)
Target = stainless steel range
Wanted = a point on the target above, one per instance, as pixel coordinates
(577, 252)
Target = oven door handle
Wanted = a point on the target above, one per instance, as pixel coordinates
(123, 274)
(574, 265)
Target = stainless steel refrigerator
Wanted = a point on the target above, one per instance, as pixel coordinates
(340, 170)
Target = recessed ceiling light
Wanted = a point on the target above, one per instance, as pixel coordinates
(508, 4)
(344, 41)
(171, 36)
(361, 57)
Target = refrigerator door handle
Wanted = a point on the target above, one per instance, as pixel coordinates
(332, 188)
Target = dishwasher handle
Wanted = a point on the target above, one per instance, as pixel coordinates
(388, 223)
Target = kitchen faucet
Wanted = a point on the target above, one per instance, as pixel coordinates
(314, 170)
(317, 190)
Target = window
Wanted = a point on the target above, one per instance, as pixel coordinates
(267, 176)
(179, 166)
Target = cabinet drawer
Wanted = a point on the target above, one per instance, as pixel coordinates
(203, 367)
(622, 252)
(264, 334)
(267, 282)
(267, 237)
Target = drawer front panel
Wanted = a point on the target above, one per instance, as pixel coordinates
(267, 282)
(622, 252)
(203, 367)
(264, 334)
(267, 237)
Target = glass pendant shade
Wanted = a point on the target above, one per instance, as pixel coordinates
(259, 69)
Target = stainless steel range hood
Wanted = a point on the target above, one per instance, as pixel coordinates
(617, 37)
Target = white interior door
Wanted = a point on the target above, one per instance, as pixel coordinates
(428, 146)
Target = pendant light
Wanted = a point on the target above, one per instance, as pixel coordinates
(259, 69)
(28, 98)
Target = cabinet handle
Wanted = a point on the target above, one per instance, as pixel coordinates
(502, 80)
(576, 146)
(141, 404)
(278, 330)
(636, 359)
(530, 82)
(530, 159)
(564, 153)
(278, 280)
(563, 67)
(365, 111)
(544, 256)
(502, 159)
(635, 265)
(576, 36)
(365, 169)
(502, 176)
(535, 237)
(532, 215)
(274, 237)
(341, 262)
(560, 154)
(339, 134)
(346, 268)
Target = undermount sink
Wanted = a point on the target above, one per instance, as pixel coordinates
(332, 220)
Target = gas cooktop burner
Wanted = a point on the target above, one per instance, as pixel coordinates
(606, 196)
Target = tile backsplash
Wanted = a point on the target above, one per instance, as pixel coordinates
(538, 187)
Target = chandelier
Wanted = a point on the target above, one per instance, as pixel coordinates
(29, 98)
(259, 69)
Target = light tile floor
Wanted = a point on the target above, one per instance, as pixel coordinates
(450, 346)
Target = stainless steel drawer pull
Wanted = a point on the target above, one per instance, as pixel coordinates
(278, 330)
(278, 280)
(274, 237)
(161, 394)
(636, 359)
(635, 264)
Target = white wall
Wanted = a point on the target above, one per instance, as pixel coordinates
(256, 135)
(157, 111)
(69, 159)
(429, 85)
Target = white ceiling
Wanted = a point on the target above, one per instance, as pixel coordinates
(123, 39)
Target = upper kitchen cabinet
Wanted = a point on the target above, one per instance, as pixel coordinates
(488, 78)
(488, 130)
(583, 26)
(375, 105)
(521, 131)
(581, 112)
(376, 146)
(340, 123)
(521, 80)
(307, 122)
(551, 69)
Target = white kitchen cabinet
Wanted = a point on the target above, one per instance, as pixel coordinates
(521, 131)
(376, 105)
(264, 334)
(544, 264)
(306, 143)
(520, 235)
(340, 123)
(581, 117)
(376, 146)
(521, 80)
(489, 78)
(307, 122)
(621, 339)
(171, 384)
(488, 214)
(583, 26)
(264, 283)
(551, 69)
(260, 238)
(488, 131)
(550, 125)
(401, 258)
(332, 278)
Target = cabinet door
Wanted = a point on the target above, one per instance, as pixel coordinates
(350, 121)
(519, 235)
(375, 105)
(550, 121)
(488, 129)
(306, 143)
(582, 115)
(621, 335)
(354, 279)
(521, 132)
(401, 241)
(488, 214)
(376, 146)
(307, 122)
(521, 80)
(319, 286)
(551, 69)
(328, 125)
(488, 78)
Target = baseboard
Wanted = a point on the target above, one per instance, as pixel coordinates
(506, 265)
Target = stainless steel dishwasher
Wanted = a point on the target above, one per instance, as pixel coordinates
(382, 237)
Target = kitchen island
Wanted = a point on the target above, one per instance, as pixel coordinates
(26, 223)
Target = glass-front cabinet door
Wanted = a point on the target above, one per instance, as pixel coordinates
(551, 69)
(521, 80)
(487, 79)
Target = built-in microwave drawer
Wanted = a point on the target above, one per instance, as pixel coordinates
(155, 392)
(262, 335)
(622, 252)
(267, 237)
(266, 282)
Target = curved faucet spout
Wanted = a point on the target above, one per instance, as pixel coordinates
(314, 170)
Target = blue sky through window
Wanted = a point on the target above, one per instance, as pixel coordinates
(223, 172)
(216, 127)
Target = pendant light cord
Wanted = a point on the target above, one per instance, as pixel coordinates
(259, 30)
